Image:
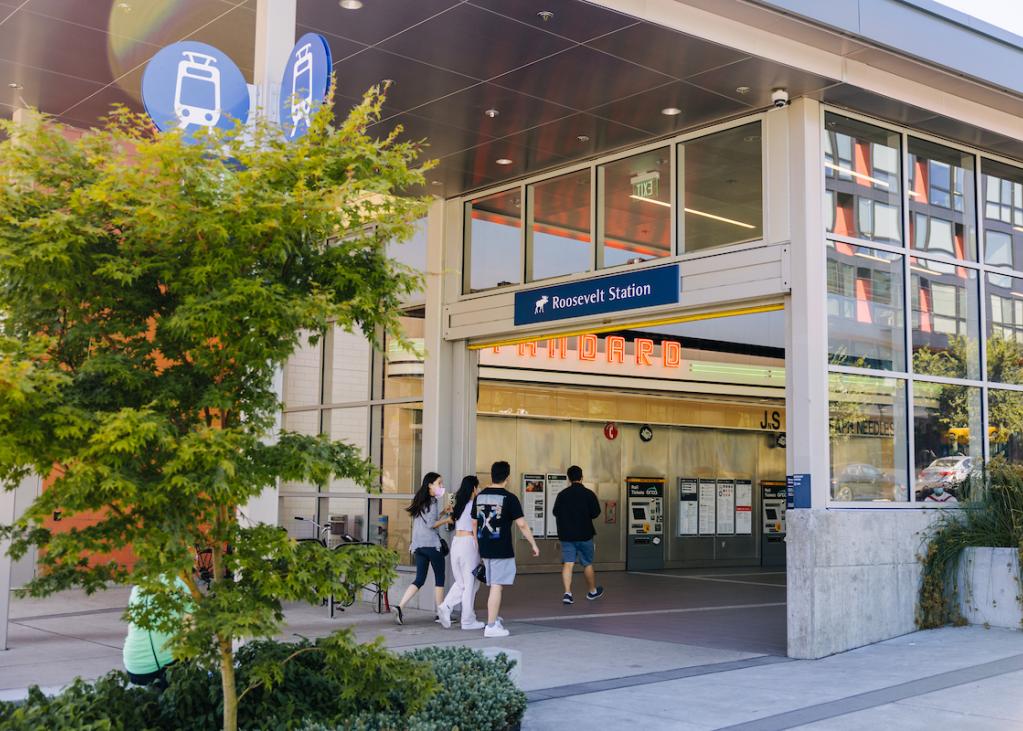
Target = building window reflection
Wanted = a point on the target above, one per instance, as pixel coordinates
(942, 211)
(862, 179)
(1004, 329)
(559, 240)
(865, 307)
(1003, 214)
(635, 204)
(493, 241)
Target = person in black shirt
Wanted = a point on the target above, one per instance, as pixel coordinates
(574, 510)
(493, 512)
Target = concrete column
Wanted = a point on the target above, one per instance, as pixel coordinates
(275, 36)
(6, 518)
(806, 365)
(438, 413)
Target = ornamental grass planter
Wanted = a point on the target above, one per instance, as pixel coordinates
(989, 587)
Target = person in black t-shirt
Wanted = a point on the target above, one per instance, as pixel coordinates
(575, 507)
(493, 512)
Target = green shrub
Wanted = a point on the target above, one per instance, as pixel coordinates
(333, 683)
(992, 517)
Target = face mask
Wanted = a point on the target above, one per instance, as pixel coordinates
(437, 491)
(939, 491)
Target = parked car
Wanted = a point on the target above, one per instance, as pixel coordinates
(949, 472)
(860, 481)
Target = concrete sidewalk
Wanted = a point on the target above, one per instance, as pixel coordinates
(966, 678)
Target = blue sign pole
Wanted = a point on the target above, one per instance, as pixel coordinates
(305, 84)
(615, 293)
(192, 86)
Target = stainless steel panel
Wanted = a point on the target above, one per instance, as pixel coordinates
(601, 462)
(541, 446)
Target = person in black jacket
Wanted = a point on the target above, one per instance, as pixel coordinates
(574, 510)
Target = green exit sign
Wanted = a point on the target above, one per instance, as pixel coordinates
(645, 187)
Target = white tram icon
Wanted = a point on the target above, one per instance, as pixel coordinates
(197, 90)
(302, 88)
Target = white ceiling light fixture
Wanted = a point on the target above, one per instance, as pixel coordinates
(671, 111)
(583, 138)
(491, 113)
(15, 85)
(350, 4)
(503, 161)
(545, 15)
(694, 212)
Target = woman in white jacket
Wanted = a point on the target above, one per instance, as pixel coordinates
(465, 556)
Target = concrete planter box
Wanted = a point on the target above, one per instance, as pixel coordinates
(989, 587)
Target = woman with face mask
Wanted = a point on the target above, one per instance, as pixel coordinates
(425, 510)
(465, 556)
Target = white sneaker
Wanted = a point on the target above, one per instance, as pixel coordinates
(495, 630)
(474, 625)
(444, 615)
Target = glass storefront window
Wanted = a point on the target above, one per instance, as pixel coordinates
(302, 373)
(862, 180)
(867, 432)
(412, 253)
(1005, 424)
(350, 426)
(946, 339)
(942, 217)
(401, 447)
(635, 199)
(1003, 214)
(948, 434)
(559, 227)
(349, 372)
(722, 188)
(1004, 329)
(493, 241)
(301, 422)
(865, 307)
(403, 366)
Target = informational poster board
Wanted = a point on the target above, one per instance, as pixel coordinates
(534, 497)
(744, 507)
(688, 506)
(555, 484)
(706, 506)
(726, 507)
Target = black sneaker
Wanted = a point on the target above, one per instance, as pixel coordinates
(591, 595)
(398, 615)
(567, 599)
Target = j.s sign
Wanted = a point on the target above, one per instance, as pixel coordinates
(629, 291)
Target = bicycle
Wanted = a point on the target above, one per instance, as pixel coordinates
(380, 598)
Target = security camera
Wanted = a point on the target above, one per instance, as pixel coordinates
(779, 98)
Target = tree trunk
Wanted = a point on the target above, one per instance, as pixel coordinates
(230, 692)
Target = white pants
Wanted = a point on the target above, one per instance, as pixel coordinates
(464, 558)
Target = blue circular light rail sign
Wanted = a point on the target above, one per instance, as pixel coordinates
(305, 84)
(192, 86)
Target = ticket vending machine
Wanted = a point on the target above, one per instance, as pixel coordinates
(772, 533)
(645, 547)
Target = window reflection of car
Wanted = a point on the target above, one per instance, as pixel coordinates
(949, 472)
(863, 482)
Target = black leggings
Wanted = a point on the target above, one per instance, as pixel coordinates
(426, 557)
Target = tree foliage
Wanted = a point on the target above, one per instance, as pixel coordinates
(149, 290)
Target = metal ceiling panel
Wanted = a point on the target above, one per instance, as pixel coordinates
(475, 42)
(665, 50)
(440, 139)
(468, 108)
(582, 78)
(41, 42)
(40, 88)
(414, 83)
(643, 110)
(759, 77)
(376, 21)
(572, 19)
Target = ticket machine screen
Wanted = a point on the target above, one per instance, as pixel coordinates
(639, 512)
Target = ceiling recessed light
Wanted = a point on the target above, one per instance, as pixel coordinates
(491, 113)
(742, 90)
(545, 15)
(350, 4)
(671, 111)
(583, 138)
(125, 7)
(503, 161)
(436, 182)
(15, 85)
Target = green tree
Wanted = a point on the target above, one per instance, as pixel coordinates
(149, 289)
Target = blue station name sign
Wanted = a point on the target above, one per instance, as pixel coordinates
(629, 291)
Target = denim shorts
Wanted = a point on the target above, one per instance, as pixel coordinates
(580, 552)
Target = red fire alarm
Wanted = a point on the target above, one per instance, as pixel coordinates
(611, 430)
